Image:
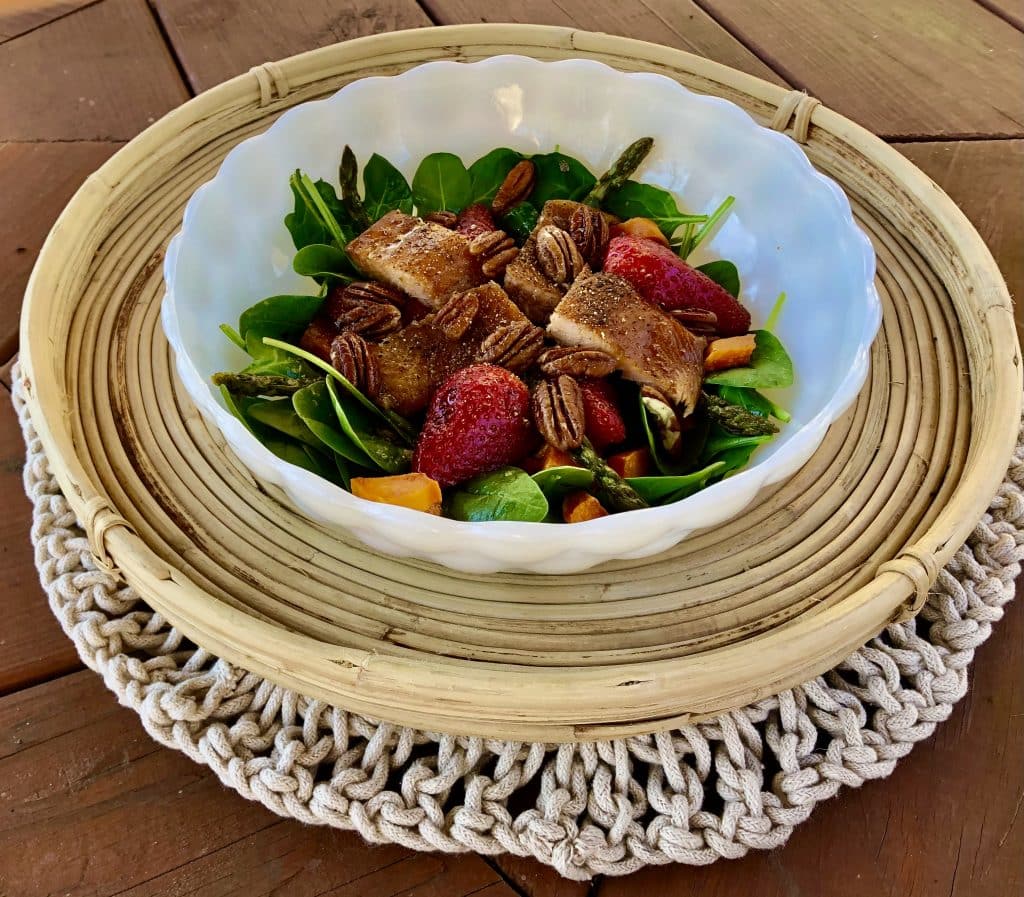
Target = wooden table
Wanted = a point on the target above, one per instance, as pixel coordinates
(89, 805)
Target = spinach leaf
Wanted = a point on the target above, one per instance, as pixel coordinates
(385, 188)
(324, 262)
(557, 482)
(279, 315)
(279, 414)
(360, 427)
(667, 489)
(724, 274)
(754, 402)
(720, 442)
(635, 200)
(487, 173)
(560, 177)
(735, 459)
(233, 335)
(770, 366)
(319, 215)
(520, 220)
(504, 494)
(398, 423)
(237, 405)
(693, 239)
(267, 359)
(441, 183)
(304, 224)
(313, 406)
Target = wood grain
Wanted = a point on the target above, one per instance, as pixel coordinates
(32, 645)
(676, 23)
(36, 181)
(534, 879)
(79, 775)
(905, 68)
(21, 16)
(986, 179)
(949, 821)
(101, 73)
(216, 41)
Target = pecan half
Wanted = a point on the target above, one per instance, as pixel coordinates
(697, 320)
(515, 188)
(557, 255)
(589, 230)
(373, 291)
(444, 218)
(576, 362)
(557, 407)
(373, 320)
(514, 345)
(456, 316)
(353, 358)
(496, 250)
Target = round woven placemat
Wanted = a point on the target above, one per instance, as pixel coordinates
(692, 795)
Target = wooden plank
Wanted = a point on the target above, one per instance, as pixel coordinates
(101, 73)
(986, 179)
(903, 68)
(32, 645)
(92, 806)
(6, 371)
(1010, 10)
(534, 879)
(21, 16)
(948, 821)
(216, 41)
(676, 23)
(36, 181)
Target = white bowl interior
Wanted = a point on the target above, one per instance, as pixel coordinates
(790, 230)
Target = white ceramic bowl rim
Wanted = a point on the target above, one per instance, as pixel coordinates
(501, 545)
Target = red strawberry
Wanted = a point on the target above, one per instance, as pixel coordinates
(605, 425)
(475, 220)
(663, 278)
(478, 420)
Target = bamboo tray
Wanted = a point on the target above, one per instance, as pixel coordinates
(813, 570)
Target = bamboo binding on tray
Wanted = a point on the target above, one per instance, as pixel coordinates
(854, 539)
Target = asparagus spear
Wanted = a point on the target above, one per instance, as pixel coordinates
(736, 419)
(348, 175)
(628, 162)
(613, 491)
(261, 384)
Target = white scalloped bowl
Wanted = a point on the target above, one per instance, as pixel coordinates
(791, 229)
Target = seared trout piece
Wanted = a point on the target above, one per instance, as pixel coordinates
(415, 360)
(529, 287)
(420, 258)
(604, 312)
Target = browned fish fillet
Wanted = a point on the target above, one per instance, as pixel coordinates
(604, 312)
(418, 257)
(529, 287)
(415, 360)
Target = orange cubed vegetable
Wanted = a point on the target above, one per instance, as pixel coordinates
(580, 506)
(634, 463)
(549, 456)
(730, 352)
(640, 227)
(408, 490)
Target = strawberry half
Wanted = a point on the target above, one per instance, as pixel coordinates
(478, 420)
(604, 423)
(475, 220)
(664, 279)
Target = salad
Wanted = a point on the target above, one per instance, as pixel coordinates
(516, 340)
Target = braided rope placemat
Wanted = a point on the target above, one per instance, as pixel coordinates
(692, 795)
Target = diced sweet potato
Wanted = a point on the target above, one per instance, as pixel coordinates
(640, 227)
(580, 506)
(634, 463)
(548, 457)
(318, 335)
(408, 490)
(730, 352)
